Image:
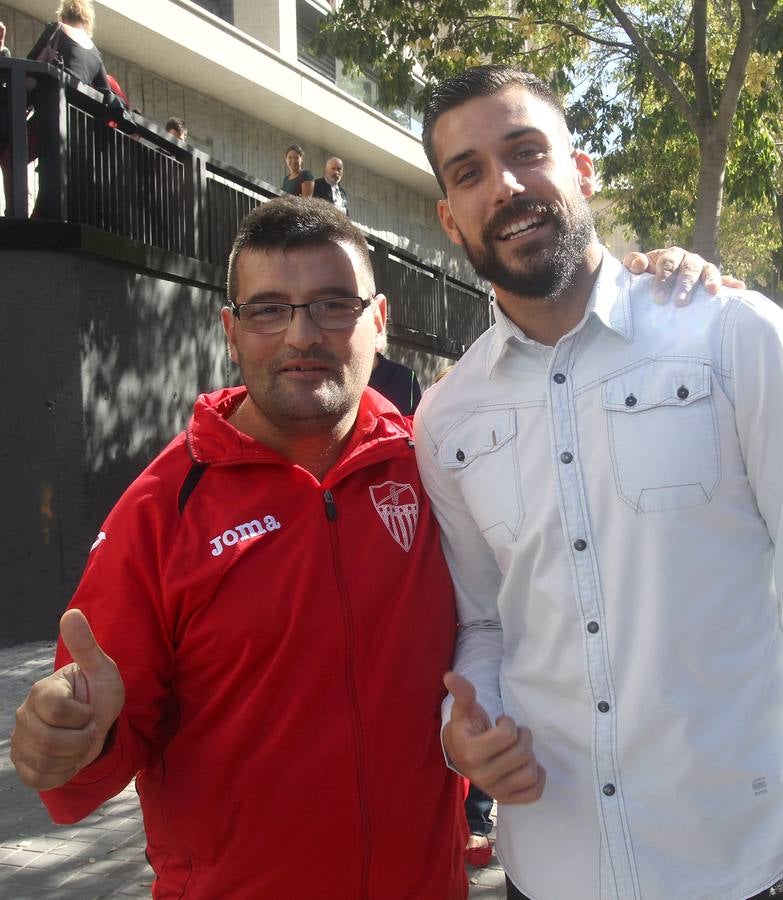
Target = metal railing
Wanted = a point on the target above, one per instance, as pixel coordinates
(117, 171)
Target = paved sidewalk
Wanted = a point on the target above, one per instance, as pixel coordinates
(103, 855)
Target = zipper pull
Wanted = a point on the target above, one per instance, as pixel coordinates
(331, 509)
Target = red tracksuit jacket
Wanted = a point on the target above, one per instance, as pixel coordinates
(282, 643)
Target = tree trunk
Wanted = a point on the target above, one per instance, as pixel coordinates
(709, 197)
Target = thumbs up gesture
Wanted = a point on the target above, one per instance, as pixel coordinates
(498, 759)
(63, 722)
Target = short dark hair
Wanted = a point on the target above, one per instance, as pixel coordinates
(176, 124)
(479, 81)
(296, 148)
(290, 222)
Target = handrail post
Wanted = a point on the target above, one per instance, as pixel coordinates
(52, 126)
(443, 285)
(16, 203)
(380, 259)
(195, 199)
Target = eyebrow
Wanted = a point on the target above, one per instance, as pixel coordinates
(466, 154)
(281, 297)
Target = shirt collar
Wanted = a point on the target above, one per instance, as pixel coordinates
(609, 302)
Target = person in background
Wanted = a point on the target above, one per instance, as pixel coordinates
(329, 187)
(81, 58)
(4, 127)
(478, 806)
(299, 181)
(396, 382)
(71, 35)
(118, 91)
(177, 128)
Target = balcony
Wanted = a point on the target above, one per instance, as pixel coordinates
(119, 173)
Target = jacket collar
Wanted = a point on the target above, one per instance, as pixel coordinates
(211, 438)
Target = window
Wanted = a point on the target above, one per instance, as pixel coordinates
(308, 21)
(364, 86)
(222, 8)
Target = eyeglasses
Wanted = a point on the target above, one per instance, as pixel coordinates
(269, 317)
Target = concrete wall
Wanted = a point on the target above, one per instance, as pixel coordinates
(104, 362)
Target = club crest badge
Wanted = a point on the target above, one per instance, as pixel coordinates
(398, 507)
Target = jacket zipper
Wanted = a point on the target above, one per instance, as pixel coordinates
(350, 681)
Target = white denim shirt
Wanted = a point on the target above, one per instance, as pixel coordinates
(610, 509)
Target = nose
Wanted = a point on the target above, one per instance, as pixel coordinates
(302, 332)
(505, 183)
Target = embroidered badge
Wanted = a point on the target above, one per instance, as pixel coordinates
(398, 507)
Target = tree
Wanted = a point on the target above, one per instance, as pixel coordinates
(656, 76)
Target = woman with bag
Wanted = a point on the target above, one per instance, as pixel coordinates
(71, 37)
(66, 42)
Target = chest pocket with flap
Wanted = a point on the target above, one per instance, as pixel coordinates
(663, 436)
(481, 451)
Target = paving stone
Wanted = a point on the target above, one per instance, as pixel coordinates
(101, 857)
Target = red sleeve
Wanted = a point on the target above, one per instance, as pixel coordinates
(120, 594)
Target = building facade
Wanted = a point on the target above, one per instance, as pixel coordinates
(241, 75)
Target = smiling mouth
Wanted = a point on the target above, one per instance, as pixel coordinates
(521, 226)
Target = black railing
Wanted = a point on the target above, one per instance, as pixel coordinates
(117, 171)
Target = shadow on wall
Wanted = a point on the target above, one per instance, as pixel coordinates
(103, 363)
(145, 358)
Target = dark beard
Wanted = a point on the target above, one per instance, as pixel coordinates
(550, 271)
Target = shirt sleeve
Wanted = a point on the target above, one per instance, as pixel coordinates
(756, 364)
(474, 572)
(120, 595)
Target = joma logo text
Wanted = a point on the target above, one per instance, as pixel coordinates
(244, 532)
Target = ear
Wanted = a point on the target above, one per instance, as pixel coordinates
(585, 171)
(229, 326)
(447, 222)
(379, 315)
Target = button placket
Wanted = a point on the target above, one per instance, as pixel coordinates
(575, 523)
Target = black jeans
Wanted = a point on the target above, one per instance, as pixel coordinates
(478, 806)
(513, 894)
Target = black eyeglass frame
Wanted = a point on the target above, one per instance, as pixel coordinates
(237, 307)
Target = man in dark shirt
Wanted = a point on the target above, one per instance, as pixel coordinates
(397, 383)
(329, 188)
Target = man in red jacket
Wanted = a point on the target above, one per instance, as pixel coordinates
(269, 613)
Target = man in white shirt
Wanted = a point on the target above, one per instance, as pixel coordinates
(609, 488)
(329, 188)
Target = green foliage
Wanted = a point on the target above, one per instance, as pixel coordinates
(394, 39)
(750, 242)
(643, 98)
